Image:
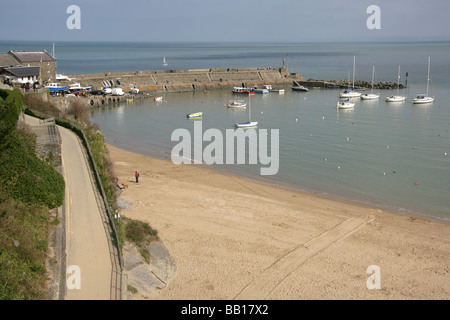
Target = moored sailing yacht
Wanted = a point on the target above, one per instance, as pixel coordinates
(350, 93)
(397, 97)
(371, 95)
(424, 98)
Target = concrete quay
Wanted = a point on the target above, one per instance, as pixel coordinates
(155, 82)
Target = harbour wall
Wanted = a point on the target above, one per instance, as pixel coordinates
(153, 82)
(189, 79)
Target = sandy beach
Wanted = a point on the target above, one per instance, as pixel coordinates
(234, 238)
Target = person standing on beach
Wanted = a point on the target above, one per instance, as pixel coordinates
(136, 174)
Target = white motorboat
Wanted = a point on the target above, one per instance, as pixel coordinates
(237, 104)
(241, 90)
(424, 98)
(300, 88)
(397, 97)
(259, 90)
(249, 124)
(269, 87)
(345, 105)
(78, 87)
(61, 77)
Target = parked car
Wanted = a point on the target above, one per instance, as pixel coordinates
(97, 93)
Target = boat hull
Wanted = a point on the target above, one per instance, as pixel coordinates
(195, 115)
(395, 99)
(249, 124)
(345, 105)
(350, 94)
(369, 96)
(300, 88)
(237, 104)
(424, 100)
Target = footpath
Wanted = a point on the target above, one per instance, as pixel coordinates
(89, 256)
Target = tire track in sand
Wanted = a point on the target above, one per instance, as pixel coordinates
(269, 279)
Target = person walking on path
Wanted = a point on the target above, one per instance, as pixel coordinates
(136, 174)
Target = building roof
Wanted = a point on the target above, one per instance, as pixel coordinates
(22, 71)
(32, 56)
(7, 60)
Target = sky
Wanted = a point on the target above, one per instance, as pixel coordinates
(225, 20)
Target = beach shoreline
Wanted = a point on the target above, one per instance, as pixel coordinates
(237, 238)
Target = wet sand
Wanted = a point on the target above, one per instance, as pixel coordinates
(235, 238)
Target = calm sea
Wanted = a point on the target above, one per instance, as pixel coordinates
(393, 156)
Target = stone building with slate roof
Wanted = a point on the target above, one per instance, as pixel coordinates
(41, 59)
(25, 77)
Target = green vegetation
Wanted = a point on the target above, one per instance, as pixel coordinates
(26, 178)
(29, 187)
(140, 233)
(23, 245)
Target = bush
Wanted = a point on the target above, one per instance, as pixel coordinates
(140, 232)
(78, 111)
(23, 245)
(9, 114)
(26, 178)
(35, 101)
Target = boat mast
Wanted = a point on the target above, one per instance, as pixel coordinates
(428, 77)
(353, 81)
(398, 79)
(249, 109)
(373, 73)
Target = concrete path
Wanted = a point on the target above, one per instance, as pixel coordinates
(88, 260)
(89, 267)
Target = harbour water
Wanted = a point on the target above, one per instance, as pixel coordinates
(392, 155)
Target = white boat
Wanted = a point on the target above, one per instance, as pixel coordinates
(397, 97)
(371, 95)
(300, 88)
(424, 98)
(259, 90)
(242, 90)
(158, 98)
(350, 93)
(61, 77)
(345, 104)
(249, 123)
(237, 104)
(77, 88)
(53, 85)
(269, 87)
(164, 61)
